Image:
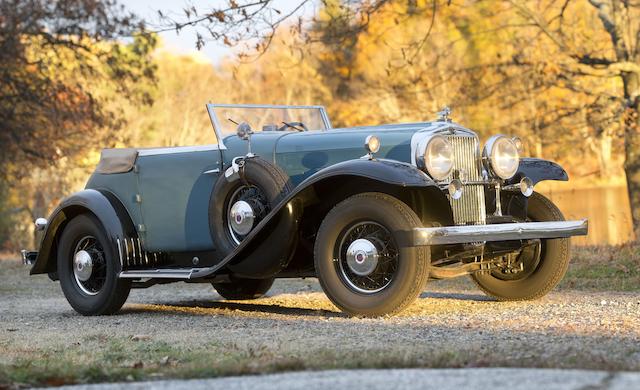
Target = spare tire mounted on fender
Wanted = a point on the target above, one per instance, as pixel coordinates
(236, 207)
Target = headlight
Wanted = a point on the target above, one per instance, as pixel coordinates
(372, 144)
(501, 153)
(437, 157)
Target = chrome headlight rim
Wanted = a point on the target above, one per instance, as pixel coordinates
(488, 156)
(422, 160)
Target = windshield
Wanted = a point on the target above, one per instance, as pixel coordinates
(226, 118)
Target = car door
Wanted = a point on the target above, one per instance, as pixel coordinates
(175, 185)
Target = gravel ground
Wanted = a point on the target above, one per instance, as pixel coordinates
(407, 379)
(187, 330)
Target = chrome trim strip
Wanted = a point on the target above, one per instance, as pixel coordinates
(126, 248)
(211, 171)
(177, 149)
(167, 273)
(140, 252)
(499, 232)
(135, 255)
(120, 253)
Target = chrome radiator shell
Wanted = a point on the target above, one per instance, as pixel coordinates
(470, 208)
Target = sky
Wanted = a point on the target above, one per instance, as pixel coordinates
(185, 41)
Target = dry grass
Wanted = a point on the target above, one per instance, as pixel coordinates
(604, 268)
(193, 334)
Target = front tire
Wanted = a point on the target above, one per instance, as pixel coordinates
(363, 257)
(88, 269)
(542, 273)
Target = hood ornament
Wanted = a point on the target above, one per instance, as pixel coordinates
(445, 114)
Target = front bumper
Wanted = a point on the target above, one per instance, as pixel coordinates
(499, 232)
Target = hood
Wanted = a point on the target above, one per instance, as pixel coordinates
(303, 154)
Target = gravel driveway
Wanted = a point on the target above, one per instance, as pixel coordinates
(187, 330)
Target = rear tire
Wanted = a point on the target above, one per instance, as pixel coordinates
(103, 292)
(364, 259)
(548, 270)
(243, 289)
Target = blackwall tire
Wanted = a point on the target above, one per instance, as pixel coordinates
(243, 289)
(384, 216)
(550, 269)
(94, 296)
(269, 178)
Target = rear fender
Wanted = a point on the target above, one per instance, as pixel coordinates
(102, 204)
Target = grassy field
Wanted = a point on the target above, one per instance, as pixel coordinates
(604, 268)
(177, 332)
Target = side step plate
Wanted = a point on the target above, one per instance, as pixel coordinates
(157, 274)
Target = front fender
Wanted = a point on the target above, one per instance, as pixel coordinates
(104, 205)
(539, 170)
(267, 235)
(386, 171)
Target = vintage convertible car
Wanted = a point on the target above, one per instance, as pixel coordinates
(372, 212)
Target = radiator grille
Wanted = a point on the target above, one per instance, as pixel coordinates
(470, 208)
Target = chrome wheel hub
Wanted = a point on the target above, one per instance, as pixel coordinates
(362, 257)
(241, 217)
(246, 207)
(366, 257)
(82, 265)
(89, 266)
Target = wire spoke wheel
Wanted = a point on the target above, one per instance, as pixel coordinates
(89, 265)
(363, 259)
(246, 207)
(367, 257)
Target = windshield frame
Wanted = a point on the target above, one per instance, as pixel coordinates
(217, 127)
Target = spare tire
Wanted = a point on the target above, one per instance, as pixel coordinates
(236, 207)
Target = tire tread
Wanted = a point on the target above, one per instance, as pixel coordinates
(411, 219)
(560, 271)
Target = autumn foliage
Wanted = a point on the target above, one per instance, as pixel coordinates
(563, 75)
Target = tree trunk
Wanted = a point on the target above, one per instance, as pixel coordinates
(631, 83)
(606, 148)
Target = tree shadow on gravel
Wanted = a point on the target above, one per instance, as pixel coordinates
(195, 308)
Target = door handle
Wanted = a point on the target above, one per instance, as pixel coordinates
(211, 171)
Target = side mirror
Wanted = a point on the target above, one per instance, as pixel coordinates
(244, 131)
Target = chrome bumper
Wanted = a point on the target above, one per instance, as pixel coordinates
(499, 232)
(28, 258)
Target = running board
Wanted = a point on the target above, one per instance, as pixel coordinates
(168, 273)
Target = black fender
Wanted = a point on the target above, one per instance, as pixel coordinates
(269, 233)
(386, 171)
(538, 170)
(104, 205)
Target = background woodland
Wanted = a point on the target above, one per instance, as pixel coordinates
(80, 75)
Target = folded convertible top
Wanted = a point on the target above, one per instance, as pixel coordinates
(117, 160)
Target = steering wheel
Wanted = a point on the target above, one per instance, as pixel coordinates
(293, 125)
